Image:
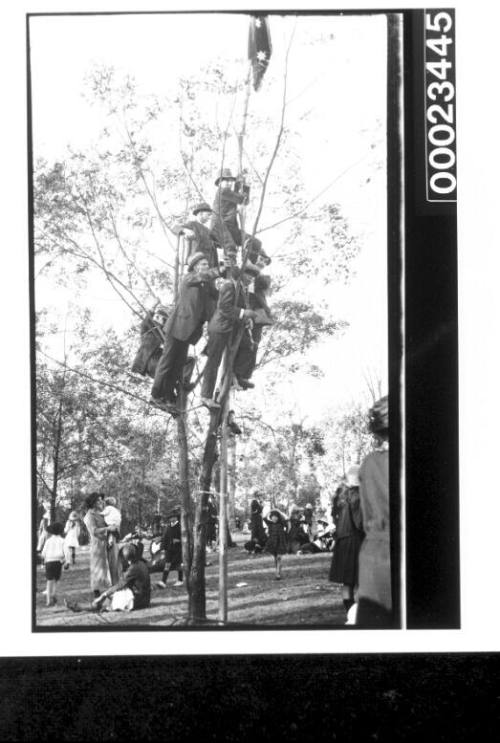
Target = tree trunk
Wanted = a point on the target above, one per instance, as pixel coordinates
(197, 603)
(232, 483)
(197, 612)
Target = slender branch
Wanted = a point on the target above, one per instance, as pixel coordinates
(278, 138)
(315, 198)
(39, 474)
(93, 379)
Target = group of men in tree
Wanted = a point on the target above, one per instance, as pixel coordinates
(215, 290)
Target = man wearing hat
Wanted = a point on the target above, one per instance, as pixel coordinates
(224, 223)
(231, 310)
(198, 235)
(184, 328)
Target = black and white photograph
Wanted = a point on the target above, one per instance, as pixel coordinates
(214, 240)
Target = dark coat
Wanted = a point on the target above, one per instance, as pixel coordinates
(202, 242)
(193, 308)
(226, 210)
(230, 304)
(149, 351)
(374, 556)
(171, 543)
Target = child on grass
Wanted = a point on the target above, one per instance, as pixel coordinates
(113, 519)
(54, 556)
(276, 543)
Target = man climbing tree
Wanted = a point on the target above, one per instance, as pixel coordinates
(198, 235)
(184, 328)
(231, 311)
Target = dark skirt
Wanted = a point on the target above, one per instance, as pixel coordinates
(277, 544)
(53, 570)
(344, 566)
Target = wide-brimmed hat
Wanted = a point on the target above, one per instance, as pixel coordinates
(196, 258)
(175, 514)
(202, 206)
(225, 175)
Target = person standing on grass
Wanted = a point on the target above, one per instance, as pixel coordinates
(349, 535)
(72, 535)
(172, 545)
(98, 535)
(54, 556)
(276, 544)
(375, 596)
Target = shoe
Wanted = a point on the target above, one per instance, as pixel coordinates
(245, 384)
(189, 387)
(161, 584)
(66, 567)
(234, 428)
(278, 577)
(178, 583)
(210, 404)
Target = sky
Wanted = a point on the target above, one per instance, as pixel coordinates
(337, 99)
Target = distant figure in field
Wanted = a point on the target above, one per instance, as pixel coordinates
(257, 531)
(375, 596)
(171, 543)
(72, 535)
(54, 556)
(276, 544)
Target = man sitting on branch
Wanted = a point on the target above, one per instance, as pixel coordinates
(198, 236)
(231, 196)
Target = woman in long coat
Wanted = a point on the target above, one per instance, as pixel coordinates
(348, 538)
(257, 531)
(375, 598)
(100, 578)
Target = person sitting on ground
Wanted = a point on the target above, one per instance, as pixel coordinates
(231, 310)
(198, 235)
(184, 328)
(133, 591)
(171, 544)
(54, 556)
(276, 544)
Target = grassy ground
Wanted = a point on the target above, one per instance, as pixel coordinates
(304, 597)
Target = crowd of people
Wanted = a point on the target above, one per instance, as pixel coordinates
(216, 292)
(358, 535)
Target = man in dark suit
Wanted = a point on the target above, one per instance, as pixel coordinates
(198, 235)
(184, 328)
(231, 310)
